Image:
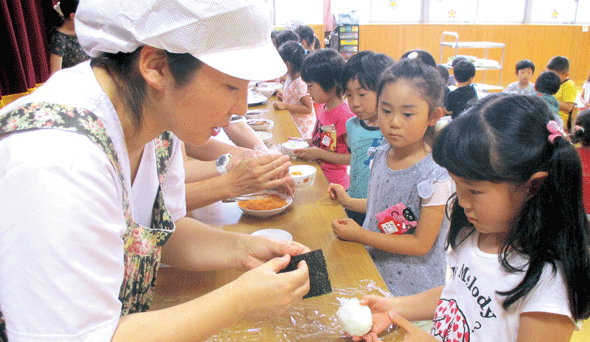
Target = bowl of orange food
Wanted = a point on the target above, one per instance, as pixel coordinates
(268, 204)
(303, 175)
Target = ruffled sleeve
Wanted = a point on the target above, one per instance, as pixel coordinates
(436, 188)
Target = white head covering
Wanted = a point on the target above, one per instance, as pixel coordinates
(232, 36)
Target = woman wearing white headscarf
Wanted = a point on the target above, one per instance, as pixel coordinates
(92, 179)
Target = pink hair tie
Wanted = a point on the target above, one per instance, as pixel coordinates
(555, 130)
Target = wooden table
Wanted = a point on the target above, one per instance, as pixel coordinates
(308, 219)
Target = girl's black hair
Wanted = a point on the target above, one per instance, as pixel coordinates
(504, 138)
(424, 78)
(286, 36)
(324, 67)
(316, 43)
(582, 133)
(293, 53)
(366, 66)
(306, 34)
(122, 67)
(422, 55)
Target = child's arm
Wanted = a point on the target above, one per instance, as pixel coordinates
(566, 106)
(305, 107)
(542, 326)
(418, 243)
(337, 192)
(418, 307)
(315, 153)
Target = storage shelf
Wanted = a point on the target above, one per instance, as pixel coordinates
(473, 45)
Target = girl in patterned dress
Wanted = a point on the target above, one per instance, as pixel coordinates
(294, 96)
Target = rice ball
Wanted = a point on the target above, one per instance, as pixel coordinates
(355, 319)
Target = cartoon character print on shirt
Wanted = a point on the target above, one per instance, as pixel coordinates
(397, 219)
(449, 322)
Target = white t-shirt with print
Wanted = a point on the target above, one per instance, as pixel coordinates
(470, 308)
(61, 252)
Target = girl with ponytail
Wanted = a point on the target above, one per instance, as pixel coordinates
(519, 253)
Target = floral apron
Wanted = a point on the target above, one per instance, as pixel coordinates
(143, 246)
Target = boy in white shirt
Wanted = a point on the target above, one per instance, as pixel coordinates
(524, 71)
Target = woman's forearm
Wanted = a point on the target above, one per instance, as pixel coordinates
(195, 320)
(184, 249)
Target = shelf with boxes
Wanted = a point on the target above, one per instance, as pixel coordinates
(348, 40)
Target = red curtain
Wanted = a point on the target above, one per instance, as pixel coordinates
(24, 59)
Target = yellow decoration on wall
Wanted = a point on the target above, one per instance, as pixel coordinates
(452, 13)
(392, 4)
(554, 14)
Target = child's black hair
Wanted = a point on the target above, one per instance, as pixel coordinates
(286, 36)
(316, 43)
(463, 71)
(293, 53)
(559, 64)
(582, 128)
(524, 64)
(457, 60)
(424, 78)
(324, 67)
(306, 34)
(422, 55)
(504, 138)
(366, 66)
(443, 71)
(548, 82)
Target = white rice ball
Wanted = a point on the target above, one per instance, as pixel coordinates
(355, 319)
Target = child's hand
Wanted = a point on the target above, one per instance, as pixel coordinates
(309, 153)
(280, 105)
(346, 229)
(280, 95)
(413, 333)
(337, 192)
(380, 308)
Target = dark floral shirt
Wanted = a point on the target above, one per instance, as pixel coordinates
(68, 48)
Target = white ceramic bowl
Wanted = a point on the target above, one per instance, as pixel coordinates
(304, 175)
(265, 137)
(278, 234)
(290, 146)
(272, 212)
(260, 124)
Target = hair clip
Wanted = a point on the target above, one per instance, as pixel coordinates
(413, 55)
(580, 129)
(57, 8)
(555, 130)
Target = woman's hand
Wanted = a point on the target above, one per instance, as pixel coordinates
(267, 293)
(346, 229)
(261, 173)
(338, 193)
(260, 249)
(309, 153)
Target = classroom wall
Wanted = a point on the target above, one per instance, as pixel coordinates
(535, 42)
